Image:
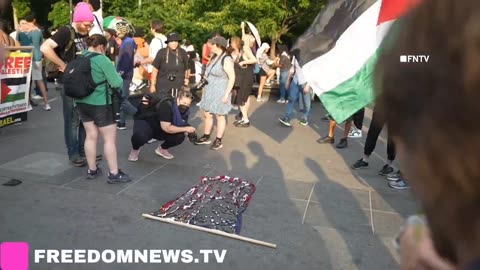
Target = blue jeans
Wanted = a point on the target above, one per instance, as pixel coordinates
(283, 82)
(126, 107)
(296, 94)
(74, 132)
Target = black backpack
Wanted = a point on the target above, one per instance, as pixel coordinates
(77, 77)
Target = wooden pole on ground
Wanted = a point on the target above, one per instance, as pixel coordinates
(217, 232)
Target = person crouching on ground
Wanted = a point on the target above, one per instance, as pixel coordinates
(96, 113)
(164, 119)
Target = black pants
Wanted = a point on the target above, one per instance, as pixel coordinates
(358, 118)
(143, 132)
(372, 137)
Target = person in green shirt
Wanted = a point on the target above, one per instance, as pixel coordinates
(96, 111)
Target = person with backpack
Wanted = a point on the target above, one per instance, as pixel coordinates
(88, 79)
(125, 67)
(170, 67)
(157, 28)
(163, 118)
(63, 47)
(220, 78)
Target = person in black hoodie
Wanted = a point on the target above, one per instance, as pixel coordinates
(164, 119)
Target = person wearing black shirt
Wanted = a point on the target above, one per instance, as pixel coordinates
(164, 119)
(170, 67)
(63, 47)
(112, 46)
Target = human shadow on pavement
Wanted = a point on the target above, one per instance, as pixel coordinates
(339, 208)
(274, 217)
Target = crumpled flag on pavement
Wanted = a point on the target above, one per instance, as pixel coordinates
(215, 203)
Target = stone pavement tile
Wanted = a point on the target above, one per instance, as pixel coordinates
(136, 170)
(347, 250)
(167, 183)
(41, 163)
(401, 202)
(298, 246)
(331, 193)
(387, 225)
(340, 217)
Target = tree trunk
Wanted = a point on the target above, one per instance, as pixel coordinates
(15, 18)
(273, 48)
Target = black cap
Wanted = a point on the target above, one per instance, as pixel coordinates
(173, 36)
(219, 40)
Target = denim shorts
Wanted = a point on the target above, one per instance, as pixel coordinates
(100, 115)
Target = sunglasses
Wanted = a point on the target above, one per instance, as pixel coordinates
(88, 25)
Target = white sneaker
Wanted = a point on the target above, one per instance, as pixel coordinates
(355, 132)
(37, 97)
(163, 153)
(47, 107)
(151, 141)
(199, 104)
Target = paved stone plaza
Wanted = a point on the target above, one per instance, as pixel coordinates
(320, 214)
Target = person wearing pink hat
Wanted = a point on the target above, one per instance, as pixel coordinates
(63, 47)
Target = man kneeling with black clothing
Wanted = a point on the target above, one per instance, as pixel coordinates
(164, 119)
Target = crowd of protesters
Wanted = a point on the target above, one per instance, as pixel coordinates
(444, 179)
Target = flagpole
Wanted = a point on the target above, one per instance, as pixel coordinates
(71, 10)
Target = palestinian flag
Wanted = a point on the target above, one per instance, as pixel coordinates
(13, 90)
(339, 51)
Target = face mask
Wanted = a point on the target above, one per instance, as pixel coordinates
(183, 108)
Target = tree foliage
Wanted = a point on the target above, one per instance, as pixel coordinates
(22, 8)
(276, 20)
(60, 14)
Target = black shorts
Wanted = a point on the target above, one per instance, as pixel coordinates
(262, 73)
(100, 115)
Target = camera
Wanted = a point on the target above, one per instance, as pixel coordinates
(116, 101)
(200, 85)
(171, 77)
(192, 137)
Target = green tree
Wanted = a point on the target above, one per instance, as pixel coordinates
(273, 18)
(60, 14)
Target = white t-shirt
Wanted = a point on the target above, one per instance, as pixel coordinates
(298, 77)
(156, 45)
(97, 25)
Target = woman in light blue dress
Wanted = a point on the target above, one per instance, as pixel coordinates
(220, 75)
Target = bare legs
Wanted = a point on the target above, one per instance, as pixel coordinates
(263, 81)
(244, 110)
(43, 90)
(109, 136)
(221, 124)
(208, 123)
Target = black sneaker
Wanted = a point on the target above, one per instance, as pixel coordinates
(217, 144)
(79, 162)
(326, 139)
(359, 164)
(342, 144)
(285, 121)
(386, 170)
(121, 126)
(239, 117)
(326, 118)
(205, 139)
(94, 174)
(120, 177)
(304, 122)
(243, 124)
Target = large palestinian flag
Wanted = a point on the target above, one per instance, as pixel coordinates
(338, 52)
